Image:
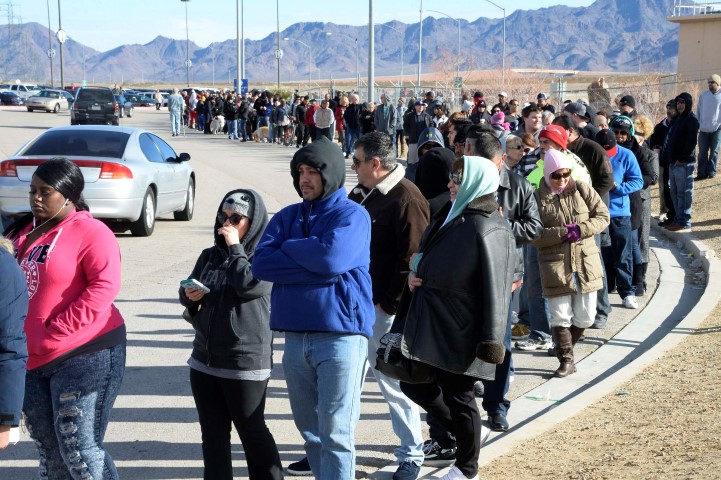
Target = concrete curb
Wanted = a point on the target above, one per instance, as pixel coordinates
(641, 343)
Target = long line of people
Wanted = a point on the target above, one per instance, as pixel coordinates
(502, 225)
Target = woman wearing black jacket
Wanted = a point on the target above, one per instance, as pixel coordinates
(231, 359)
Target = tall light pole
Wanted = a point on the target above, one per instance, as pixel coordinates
(420, 44)
(278, 51)
(61, 36)
(51, 52)
(310, 52)
(503, 54)
(458, 64)
(239, 44)
(402, 46)
(187, 45)
(371, 54)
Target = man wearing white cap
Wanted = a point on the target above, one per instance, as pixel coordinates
(502, 103)
(709, 135)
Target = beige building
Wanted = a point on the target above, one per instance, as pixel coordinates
(699, 38)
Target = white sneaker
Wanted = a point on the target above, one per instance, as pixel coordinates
(485, 433)
(630, 302)
(455, 474)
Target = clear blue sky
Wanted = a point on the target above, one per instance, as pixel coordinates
(99, 24)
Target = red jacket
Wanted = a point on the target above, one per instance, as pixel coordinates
(73, 276)
(339, 118)
(309, 114)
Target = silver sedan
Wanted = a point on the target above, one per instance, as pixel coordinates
(131, 175)
(48, 100)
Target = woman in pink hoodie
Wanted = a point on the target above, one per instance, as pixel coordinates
(76, 336)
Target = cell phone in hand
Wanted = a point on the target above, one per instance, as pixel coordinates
(193, 283)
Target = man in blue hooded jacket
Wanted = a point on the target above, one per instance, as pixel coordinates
(317, 254)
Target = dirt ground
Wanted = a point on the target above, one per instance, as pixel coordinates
(670, 424)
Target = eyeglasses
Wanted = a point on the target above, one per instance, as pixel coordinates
(620, 132)
(456, 177)
(357, 161)
(517, 147)
(558, 176)
(234, 219)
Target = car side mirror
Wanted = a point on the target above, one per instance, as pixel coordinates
(183, 157)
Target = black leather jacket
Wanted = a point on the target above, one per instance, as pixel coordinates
(462, 306)
(515, 196)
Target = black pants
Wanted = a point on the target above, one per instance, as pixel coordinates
(671, 212)
(219, 402)
(301, 136)
(452, 403)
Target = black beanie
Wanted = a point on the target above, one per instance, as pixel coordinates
(327, 158)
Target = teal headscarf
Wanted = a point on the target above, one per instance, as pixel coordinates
(479, 177)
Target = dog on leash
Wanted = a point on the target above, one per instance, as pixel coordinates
(216, 126)
(260, 134)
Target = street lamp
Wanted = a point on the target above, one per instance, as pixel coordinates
(503, 55)
(240, 44)
(402, 46)
(187, 45)
(61, 36)
(420, 44)
(458, 65)
(278, 51)
(310, 52)
(357, 74)
(51, 52)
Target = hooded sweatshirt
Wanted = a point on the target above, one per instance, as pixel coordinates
(317, 254)
(432, 177)
(73, 275)
(231, 322)
(682, 135)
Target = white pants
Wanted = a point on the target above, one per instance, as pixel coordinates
(578, 309)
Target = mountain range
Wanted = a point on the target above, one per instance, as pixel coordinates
(608, 35)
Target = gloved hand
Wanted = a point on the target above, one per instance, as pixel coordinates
(574, 233)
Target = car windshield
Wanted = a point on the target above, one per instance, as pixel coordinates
(49, 94)
(78, 142)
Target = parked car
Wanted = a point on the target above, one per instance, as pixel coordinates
(125, 106)
(131, 175)
(24, 90)
(94, 105)
(48, 100)
(140, 100)
(11, 98)
(151, 96)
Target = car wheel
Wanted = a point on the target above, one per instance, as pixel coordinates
(144, 226)
(30, 109)
(187, 212)
(122, 112)
(130, 113)
(56, 109)
(116, 121)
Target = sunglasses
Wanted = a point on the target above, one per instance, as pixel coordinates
(620, 132)
(517, 147)
(558, 176)
(456, 177)
(681, 101)
(233, 219)
(357, 161)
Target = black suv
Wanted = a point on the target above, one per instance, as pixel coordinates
(94, 105)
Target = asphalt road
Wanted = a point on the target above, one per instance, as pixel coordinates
(154, 432)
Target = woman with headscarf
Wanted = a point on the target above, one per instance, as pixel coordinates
(75, 335)
(570, 262)
(455, 321)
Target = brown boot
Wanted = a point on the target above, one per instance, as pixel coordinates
(564, 351)
(576, 334)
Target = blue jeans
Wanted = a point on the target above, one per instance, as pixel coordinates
(681, 183)
(68, 407)
(352, 134)
(708, 151)
(494, 391)
(324, 374)
(242, 127)
(622, 245)
(175, 122)
(603, 304)
(232, 128)
(405, 416)
(262, 121)
(533, 310)
(271, 132)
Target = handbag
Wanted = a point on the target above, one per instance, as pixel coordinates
(391, 362)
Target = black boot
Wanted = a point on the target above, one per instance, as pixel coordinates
(639, 278)
(564, 351)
